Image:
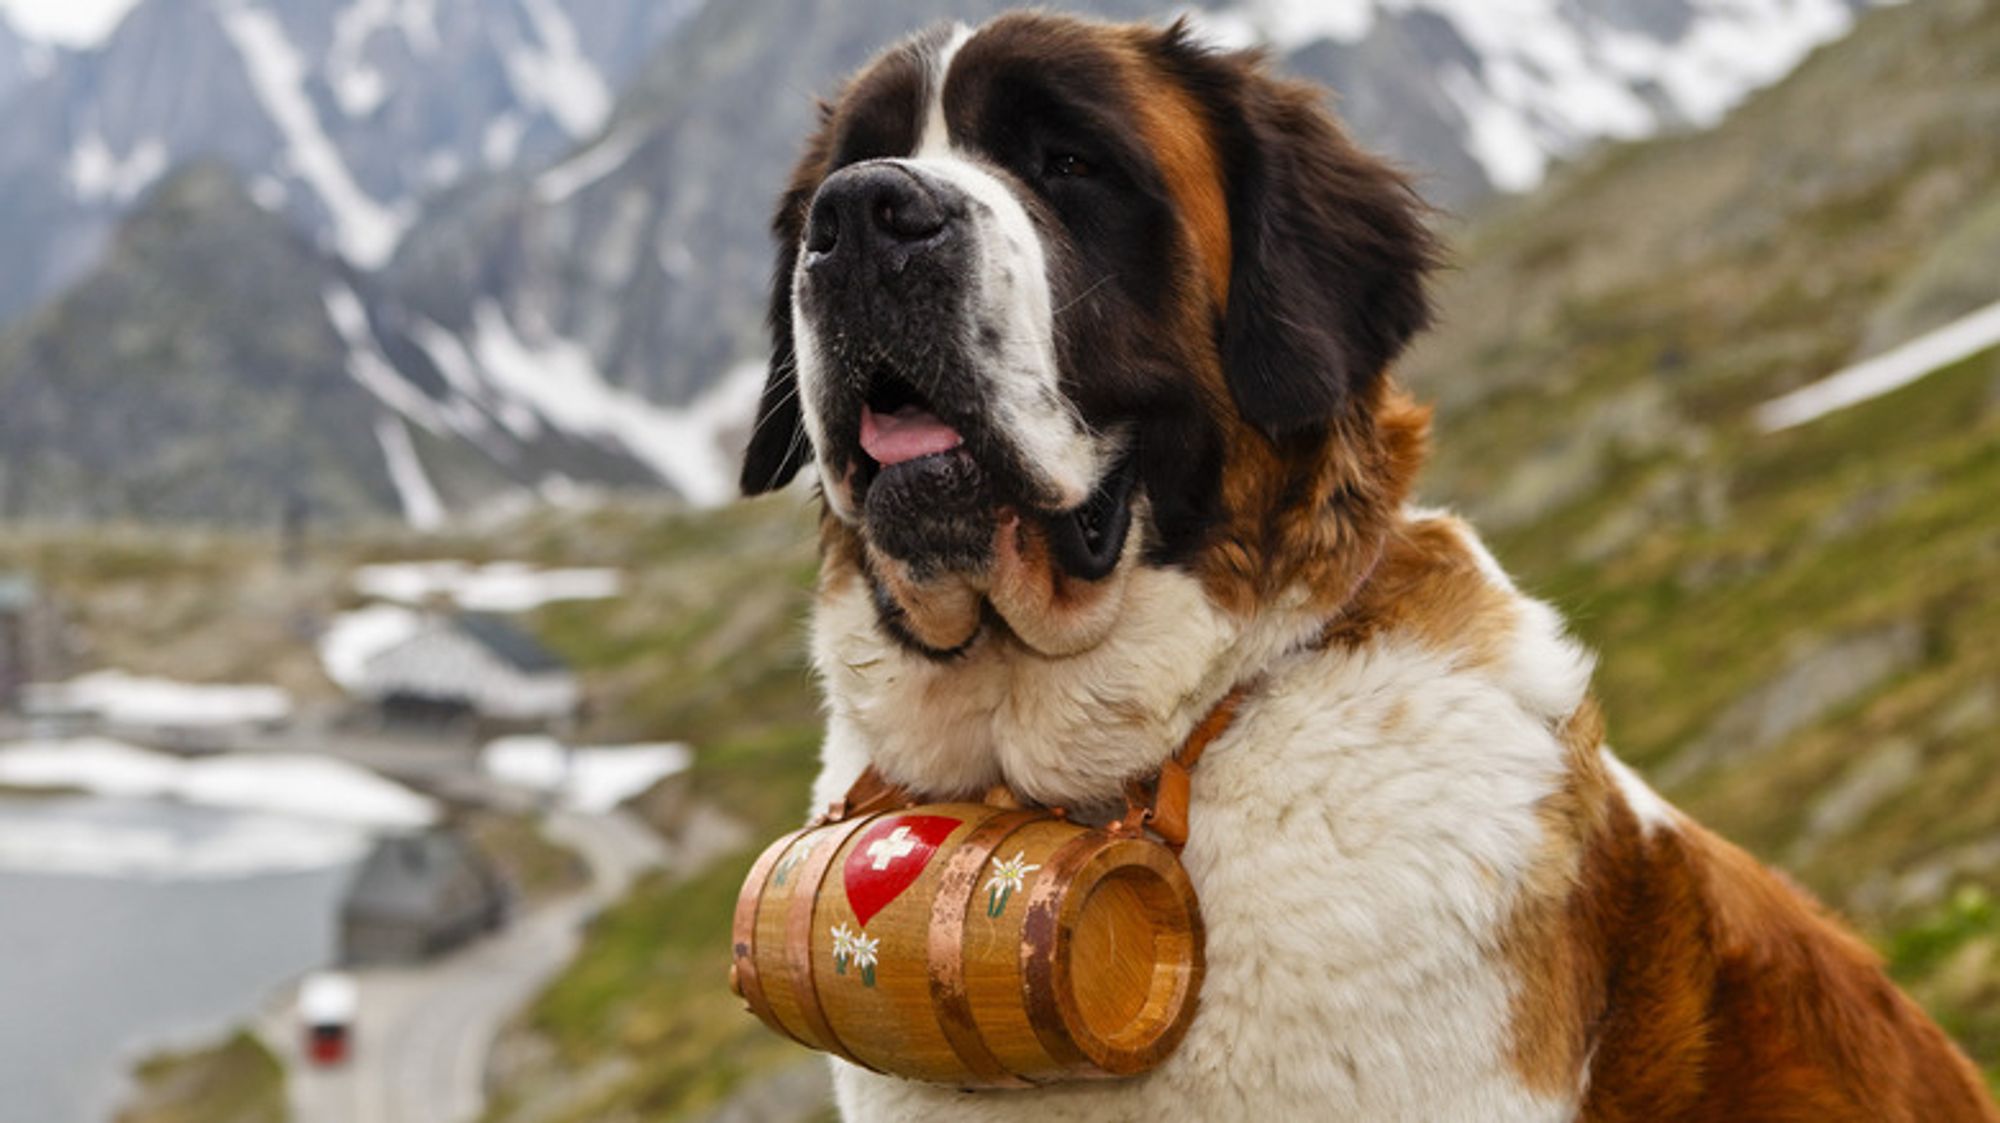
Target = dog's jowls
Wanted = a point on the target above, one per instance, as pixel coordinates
(1085, 330)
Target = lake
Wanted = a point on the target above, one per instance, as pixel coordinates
(129, 924)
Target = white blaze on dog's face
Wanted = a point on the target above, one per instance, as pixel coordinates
(1001, 315)
(1043, 287)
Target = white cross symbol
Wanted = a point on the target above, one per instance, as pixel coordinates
(886, 850)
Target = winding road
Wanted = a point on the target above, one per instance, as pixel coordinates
(422, 1035)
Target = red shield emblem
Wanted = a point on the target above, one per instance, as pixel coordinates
(889, 856)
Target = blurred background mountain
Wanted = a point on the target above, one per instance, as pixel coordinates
(533, 232)
(485, 278)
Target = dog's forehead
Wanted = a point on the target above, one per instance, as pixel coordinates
(1089, 66)
(960, 70)
(1051, 43)
(878, 111)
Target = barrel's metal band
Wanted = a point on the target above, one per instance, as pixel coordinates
(749, 985)
(1040, 943)
(799, 936)
(949, 1000)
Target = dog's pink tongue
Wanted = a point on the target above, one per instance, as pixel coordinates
(907, 434)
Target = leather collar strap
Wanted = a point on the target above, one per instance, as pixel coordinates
(1161, 804)
(1164, 809)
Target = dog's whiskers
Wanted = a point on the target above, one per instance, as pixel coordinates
(1080, 297)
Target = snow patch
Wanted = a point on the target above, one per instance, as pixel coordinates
(130, 700)
(1501, 139)
(372, 369)
(501, 142)
(353, 638)
(99, 175)
(441, 169)
(564, 180)
(676, 260)
(1551, 78)
(365, 230)
(418, 19)
(360, 91)
(306, 786)
(559, 490)
(1291, 24)
(1733, 50)
(71, 838)
(269, 193)
(358, 86)
(558, 379)
(367, 365)
(553, 490)
(556, 75)
(456, 364)
(497, 587)
(592, 780)
(77, 24)
(1892, 370)
(1233, 29)
(422, 508)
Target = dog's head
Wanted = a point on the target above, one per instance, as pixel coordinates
(1056, 299)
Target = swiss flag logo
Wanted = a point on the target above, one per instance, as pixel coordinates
(888, 858)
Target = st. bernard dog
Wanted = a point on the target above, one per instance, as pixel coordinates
(1087, 331)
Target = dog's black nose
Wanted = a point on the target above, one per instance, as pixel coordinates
(869, 210)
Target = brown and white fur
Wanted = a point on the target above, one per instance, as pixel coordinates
(1140, 300)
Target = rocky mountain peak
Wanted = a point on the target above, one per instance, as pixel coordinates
(342, 114)
(536, 283)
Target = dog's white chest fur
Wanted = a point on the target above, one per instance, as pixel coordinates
(1359, 837)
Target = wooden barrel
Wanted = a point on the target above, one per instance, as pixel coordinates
(971, 945)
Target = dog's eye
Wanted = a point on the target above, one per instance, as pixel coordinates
(1067, 165)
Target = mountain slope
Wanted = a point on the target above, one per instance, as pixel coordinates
(141, 392)
(220, 369)
(1795, 627)
(343, 114)
(1482, 96)
(20, 59)
(647, 247)
(548, 295)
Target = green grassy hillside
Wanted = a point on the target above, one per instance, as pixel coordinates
(238, 1081)
(709, 647)
(1796, 629)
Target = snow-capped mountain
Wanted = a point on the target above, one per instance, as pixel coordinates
(646, 249)
(515, 286)
(1485, 94)
(217, 366)
(342, 114)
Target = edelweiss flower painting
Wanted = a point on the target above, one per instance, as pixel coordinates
(856, 948)
(843, 948)
(865, 948)
(1008, 879)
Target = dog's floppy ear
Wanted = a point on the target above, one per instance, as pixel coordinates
(778, 443)
(1328, 253)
